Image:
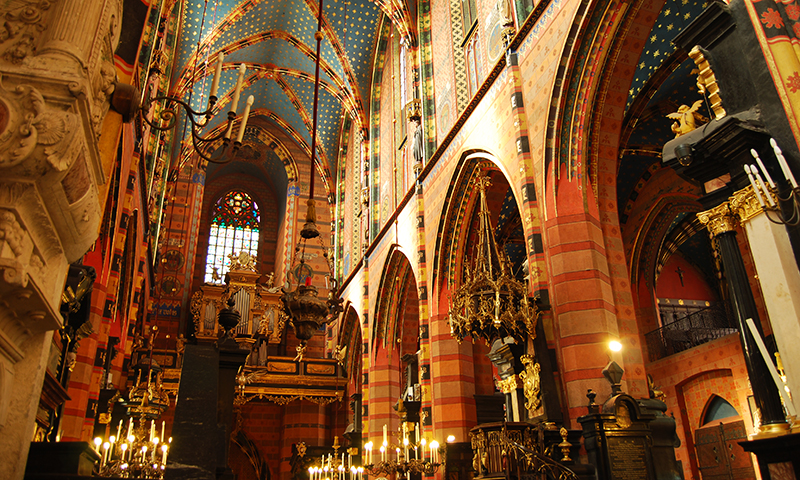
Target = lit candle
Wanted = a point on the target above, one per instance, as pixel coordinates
(238, 91)
(763, 187)
(397, 450)
(246, 114)
(383, 453)
(782, 162)
(434, 452)
(217, 73)
(105, 452)
(124, 448)
(761, 166)
(753, 184)
(164, 454)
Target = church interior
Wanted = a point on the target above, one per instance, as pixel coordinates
(452, 239)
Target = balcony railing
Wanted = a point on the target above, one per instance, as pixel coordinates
(690, 331)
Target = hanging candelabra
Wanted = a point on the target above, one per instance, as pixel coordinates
(413, 453)
(490, 303)
(168, 115)
(790, 214)
(333, 467)
(141, 453)
(306, 311)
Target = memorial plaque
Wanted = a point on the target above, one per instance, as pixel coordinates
(627, 458)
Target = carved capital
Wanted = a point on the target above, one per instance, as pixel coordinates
(508, 385)
(718, 220)
(745, 204)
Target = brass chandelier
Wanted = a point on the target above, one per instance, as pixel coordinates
(490, 303)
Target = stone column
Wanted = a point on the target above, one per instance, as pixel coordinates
(778, 274)
(721, 223)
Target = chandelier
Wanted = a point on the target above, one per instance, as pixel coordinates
(306, 311)
(141, 453)
(490, 303)
(427, 456)
(333, 467)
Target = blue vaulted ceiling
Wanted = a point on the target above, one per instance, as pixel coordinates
(275, 40)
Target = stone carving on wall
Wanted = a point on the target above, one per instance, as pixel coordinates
(23, 21)
(30, 123)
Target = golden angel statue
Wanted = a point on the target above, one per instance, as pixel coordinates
(687, 118)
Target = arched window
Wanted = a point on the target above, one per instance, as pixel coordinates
(234, 228)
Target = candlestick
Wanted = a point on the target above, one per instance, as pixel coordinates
(753, 184)
(761, 166)
(787, 402)
(246, 114)
(238, 90)
(764, 187)
(217, 73)
(782, 162)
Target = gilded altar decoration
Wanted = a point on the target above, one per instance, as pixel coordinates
(531, 383)
(687, 119)
(490, 303)
(707, 81)
(242, 261)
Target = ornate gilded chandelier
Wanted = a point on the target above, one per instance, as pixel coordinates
(490, 303)
(413, 453)
(306, 311)
(141, 452)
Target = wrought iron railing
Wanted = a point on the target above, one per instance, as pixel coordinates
(690, 331)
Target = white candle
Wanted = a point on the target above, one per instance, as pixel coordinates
(764, 187)
(246, 114)
(105, 453)
(753, 184)
(119, 429)
(787, 402)
(217, 73)
(130, 428)
(761, 166)
(782, 162)
(162, 429)
(238, 91)
(384, 434)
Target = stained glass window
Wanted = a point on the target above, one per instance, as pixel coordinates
(234, 228)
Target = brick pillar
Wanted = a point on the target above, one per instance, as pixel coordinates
(453, 382)
(303, 421)
(582, 299)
